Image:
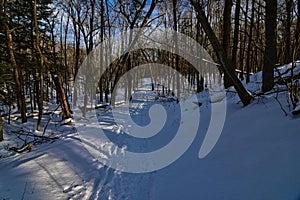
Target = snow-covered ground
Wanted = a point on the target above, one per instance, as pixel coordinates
(256, 156)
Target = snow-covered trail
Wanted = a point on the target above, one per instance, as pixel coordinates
(66, 170)
(112, 183)
(257, 157)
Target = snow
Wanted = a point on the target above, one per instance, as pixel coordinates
(296, 111)
(285, 70)
(255, 157)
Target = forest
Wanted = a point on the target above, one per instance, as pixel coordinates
(44, 42)
(83, 84)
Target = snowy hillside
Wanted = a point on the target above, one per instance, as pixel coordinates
(256, 156)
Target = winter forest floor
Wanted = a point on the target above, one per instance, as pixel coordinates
(256, 156)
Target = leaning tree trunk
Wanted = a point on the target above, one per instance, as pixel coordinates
(63, 100)
(244, 95)
(60, 91)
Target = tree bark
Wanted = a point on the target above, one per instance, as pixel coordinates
(176, 61)
(226, 39)
(65, 106)
(287, 49)
(60, 91)
(242, 92)
(243, 46)
(236, 34)
(1, 130)
(10, 44)
(297, 34)
(41, 63)
(248, 62)
(270, 51)
(102, 30)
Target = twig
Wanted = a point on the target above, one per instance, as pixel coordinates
(276, 98)
(36, 136)
(50, 117)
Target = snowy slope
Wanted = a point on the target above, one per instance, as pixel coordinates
(256, 157)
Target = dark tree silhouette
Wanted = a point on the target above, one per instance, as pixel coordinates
(244, 95)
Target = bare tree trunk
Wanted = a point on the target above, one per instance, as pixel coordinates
(288, 55)
(242, 92)
(108, 58)
(89, 45)
(297, 34)
(129, 77)
(242, 50)
(1, 130)
(236, 34)
(65, 106)
(226, 39)
(101, 49)
(41, 62)
(60, 91)
(270, 51)
(66, 70)
(250, 43)
(17, 75)
(176, 61)
(75, 21)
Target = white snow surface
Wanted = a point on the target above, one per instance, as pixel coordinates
(256, 157)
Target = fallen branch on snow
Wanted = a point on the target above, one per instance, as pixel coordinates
(22, 149)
